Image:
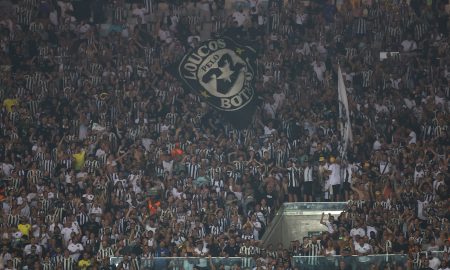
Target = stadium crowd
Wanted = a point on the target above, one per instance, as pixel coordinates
(103, 153)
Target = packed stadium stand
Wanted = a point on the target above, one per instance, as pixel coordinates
(108, 162)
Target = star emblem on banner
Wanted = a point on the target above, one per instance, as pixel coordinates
(226, 72)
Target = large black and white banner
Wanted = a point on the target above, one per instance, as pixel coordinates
(222, 73)
(344, 115)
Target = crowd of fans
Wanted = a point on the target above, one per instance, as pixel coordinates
(104, 154)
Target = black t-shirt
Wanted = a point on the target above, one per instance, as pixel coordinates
(232, 251)
(214, 250)
(58, 239)
(91, 226)
(220, 4)
(399, 247)
(271, 198)
(17, 62)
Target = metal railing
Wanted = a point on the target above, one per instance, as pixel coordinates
(392, 261)
(188, 263)
(350, 262)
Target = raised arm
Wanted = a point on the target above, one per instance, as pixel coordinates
(321, 219)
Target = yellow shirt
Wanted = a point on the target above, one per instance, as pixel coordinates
(79, 159)
(83, 263)
(24, 228)
(9, 102)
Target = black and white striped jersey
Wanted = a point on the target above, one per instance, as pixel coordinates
(294, 176)
(193, 169)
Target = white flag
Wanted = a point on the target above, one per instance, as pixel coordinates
(344, 114)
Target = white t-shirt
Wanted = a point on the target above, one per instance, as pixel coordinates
(174, 19)
(357, 231)
(139, 12)
(65, 6)
(256, 227)
(438, 100)
(335, 177)
(376, 145)
(81, 175)
(7, 168)
(88, 197)
(269, 131)
(409, 45)
(51, 228)
(279, 98)
(271, 109)
(100, 152)
(261, 19)
(363, 249)
(167, 166)
(381, 108)
(17, 235)
(321, 48)
(27, 249)
(53, 16)
(434, 263)
(67, 232)
(413, 137)
(163, 35)
(418, 175)
(75, 249)
(150, 241)
(420, 206)
(253, 3)
(371, 229)
(319, 69)
(300, 18)
(201, 251)
(6, 257)
(176, 193)
(75, 227)
(20, 200)
(330, 226)
(146, 142)
(409, 103)
(305, 49)
(97, 211)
